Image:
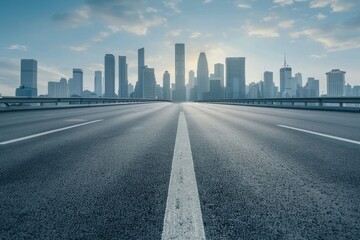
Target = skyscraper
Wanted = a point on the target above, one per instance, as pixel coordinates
(312, 87)
(77, 83)
(139, 88)
(98, 83)
(123, 77)
(58, 89)
(235, 77)
(109, 76)
(268, 91)
(335, 83)
(166, 86)
(28, 78)
(180, 92)
(149, 82)
(202, 76)
(285, 77)
(219, 73)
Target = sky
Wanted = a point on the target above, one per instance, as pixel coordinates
(316, 35)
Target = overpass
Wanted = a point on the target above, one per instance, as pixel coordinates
(179, 170)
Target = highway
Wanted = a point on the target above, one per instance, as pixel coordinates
(179, 171)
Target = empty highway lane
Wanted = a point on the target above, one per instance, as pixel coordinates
(179, 171)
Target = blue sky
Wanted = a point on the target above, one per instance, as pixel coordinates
(317, 36)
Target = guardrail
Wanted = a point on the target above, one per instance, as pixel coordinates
(335, 103)
(20, 101)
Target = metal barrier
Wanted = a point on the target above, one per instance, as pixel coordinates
(345, 103)
(19, 101)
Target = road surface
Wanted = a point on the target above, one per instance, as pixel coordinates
(190, 170)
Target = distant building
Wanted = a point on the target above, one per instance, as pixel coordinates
(286, 80)
(215, 89)
(202, 76)
(58, 89)
(123, 77)
(98, 83)
(166, 86)
(180, 93)
(76, 83)
(253, 90)
(109, 76)
(348, 90)
(139, 87)
(149, 83)
(220, 74)
(313, 87)
(335, 83)
(268, 91)
(235, 77)
(356, 91)
(28, 78)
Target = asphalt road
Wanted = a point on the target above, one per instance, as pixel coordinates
(104, 173)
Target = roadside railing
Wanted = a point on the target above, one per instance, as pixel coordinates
(321, 103)
(47, 101)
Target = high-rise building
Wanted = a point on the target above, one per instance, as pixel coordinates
(139, 88)
(58, 89)
(235, 77)
(202, 76)
(166, 86)
(268, 91)
(285, 77)
(215, 89)
(28, 78)
(130, 89)
(180, 92)
(335, 83)
(109, 76)
(123, 77)
(149, 83)
(98, 83)
(312, 87)
(219, 73)
(76, 87)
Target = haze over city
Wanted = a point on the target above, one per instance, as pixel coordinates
(316, 36)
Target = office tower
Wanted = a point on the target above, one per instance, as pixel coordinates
(312, 86)
(139, 88)
(215, 89)
(219, 73)
(123, 77)
(192, 78)
(285, 77)
(202, 76)
(235, 77)
(348, 90)
(98, 83)
(298, 77)
(335, 83)
(149, 82)
(180, 92)
(130, 89)
(166, 86)
(52, 89)
(77, 83)
(356, 91)
(268, 90)
(109, 76)
(28, 78)
(253, 90)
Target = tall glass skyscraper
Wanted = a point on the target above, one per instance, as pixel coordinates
(202, 77)
(77, 83)
(109, 76)
(28, 78)
(335, 83)
(139, 88)
(98, 83)
(235, 77)
(123, 77)
(180, 90)
(166, 86)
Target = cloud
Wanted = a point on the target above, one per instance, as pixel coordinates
(335, 5)
(79, 48)
(262, 32)
(17, 47)
(270, 18)
(316, 56)
(173, 5)
(243, 5)
(284, 2)
(95, 67)
(320, 16)
(195, 35)
(174, 33)
(207, 1)
(286, 24)
(129, 16)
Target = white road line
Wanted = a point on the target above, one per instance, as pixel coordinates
(183, 218)
(321, 134)
(48, 132)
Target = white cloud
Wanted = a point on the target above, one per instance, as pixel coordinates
(207, 1)
(286, 24)
(17, 47)
(174, 33)
(320, 16)
(195, 35)
(82, 48)
(262, 32)
(335, 5)
(243, 5)
(76, 18)
(317, 56)
(270, 18)
(284, 2)
(173, 5)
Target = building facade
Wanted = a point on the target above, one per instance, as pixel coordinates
(123, 77)
(180, 90)
(335, 80)
(235, 77)
(109, 76)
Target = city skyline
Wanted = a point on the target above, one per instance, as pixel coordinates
(317, 36)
